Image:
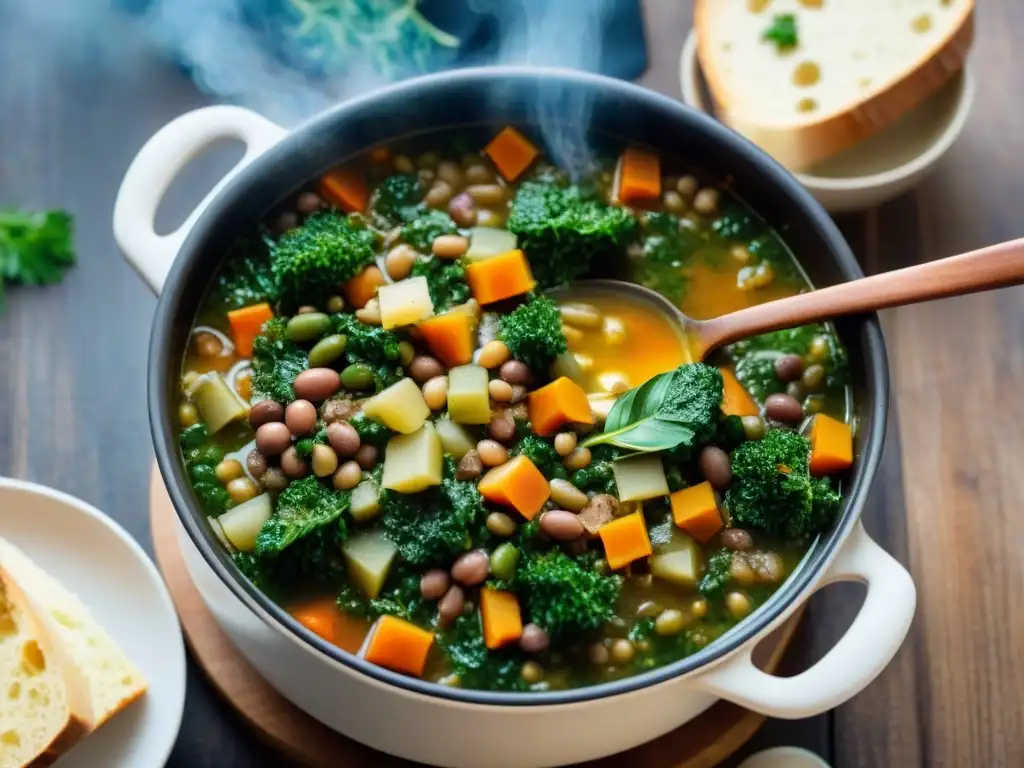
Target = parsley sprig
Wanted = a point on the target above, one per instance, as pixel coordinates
(783, 32)
(35, 247)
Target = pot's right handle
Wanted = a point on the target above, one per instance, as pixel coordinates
(856, 659)
(156, 165)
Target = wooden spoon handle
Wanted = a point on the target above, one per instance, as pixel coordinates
(997, 266)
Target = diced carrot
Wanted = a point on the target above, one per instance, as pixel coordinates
(363, 287)
(561, 402)
(639, 176)
(625, 540)
(345, 188)
(517, 484)
(502, 622)
(398, 645)
(450, 337)
(380, 154)
(500, 277)
(695, 510)
(511, 152)
(246, 324)
(736, 401)
(318, 618)
(831, 445)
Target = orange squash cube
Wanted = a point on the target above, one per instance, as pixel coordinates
(346, 189)
(511, 152)
(450, 337)
(561, 402)
(831, 445)
(500, 616)
(500, 277)
(625, 540)
(398, 645)
(736, 401)
(695, 510)
(517, 484)
(639, 176)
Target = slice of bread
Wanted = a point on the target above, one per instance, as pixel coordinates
(36, 724)
(100, 678)
(856, 68)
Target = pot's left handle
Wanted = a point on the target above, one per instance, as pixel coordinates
(156, 165)
(855, 660)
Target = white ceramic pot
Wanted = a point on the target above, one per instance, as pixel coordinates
(425, 721)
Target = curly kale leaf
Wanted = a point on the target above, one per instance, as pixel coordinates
(446, 282)
(543, 455)
(246, 277)
(564, 230)
(400, 597)
(301, 508)
(716, 575)
(276, 361)
(396, 200)
(533, 332)
(311, 262)
(755, 358)
(598, 475)
(475, 664)
(773, 491)
(421, 232)
(372, 345)
(564, 596)
(433, 526)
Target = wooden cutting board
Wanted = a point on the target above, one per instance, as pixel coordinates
(701, 743)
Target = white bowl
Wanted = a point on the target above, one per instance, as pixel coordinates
(93, 556)
(884, 166)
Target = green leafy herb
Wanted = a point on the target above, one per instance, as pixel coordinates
(35, 248)
(672, 409)
(783, 32)
(303, 507)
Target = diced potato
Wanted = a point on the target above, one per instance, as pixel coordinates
(368, 558)
(567, 365)
(485, 242)
(405, 302)
(218, 531)
(365, 504)
(468, 399)
(454, 438)
(679, 561)
(218, 403)
(412, 463)
(400, 407)
(640, 478)
(241, 525)
(601, 404)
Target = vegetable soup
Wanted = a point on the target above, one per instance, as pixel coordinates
(409, 433)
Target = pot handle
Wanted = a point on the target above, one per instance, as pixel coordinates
(156, 165)
(857, 658)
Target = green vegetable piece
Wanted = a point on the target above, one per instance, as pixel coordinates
(217, 401)
(783, 31)
(677, 408)
(194, 436)
(369, 556)
(311, 261)
(276, 361)
(308, 326)
(430, 225)
(533, 333)
(712, 584)
(563, 596)
(544, 456)
(303, 507)
(565, 229)
(504, 560)
(772, 489)
(246, 278)
(396, 200)
(357, 376)
(446, 281)
(327, 350)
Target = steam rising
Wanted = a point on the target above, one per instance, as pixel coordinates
(229, 60)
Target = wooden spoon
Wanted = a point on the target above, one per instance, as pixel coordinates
(996, 266)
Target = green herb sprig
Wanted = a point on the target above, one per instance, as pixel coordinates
(35, 248)
(673, 409)
(783, 32)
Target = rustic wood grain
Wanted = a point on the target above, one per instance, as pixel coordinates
(72, 389)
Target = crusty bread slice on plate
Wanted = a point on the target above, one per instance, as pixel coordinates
(856, 67)
(100, 678)
(36, 723)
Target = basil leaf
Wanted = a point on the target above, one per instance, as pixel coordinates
(674, 408)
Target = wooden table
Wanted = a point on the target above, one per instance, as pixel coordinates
(73, 359)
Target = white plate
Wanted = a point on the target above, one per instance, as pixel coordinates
(784, 757)
(94, 557)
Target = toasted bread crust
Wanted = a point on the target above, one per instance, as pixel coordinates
(799, 147)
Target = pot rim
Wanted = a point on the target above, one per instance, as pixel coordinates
(162, 363)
